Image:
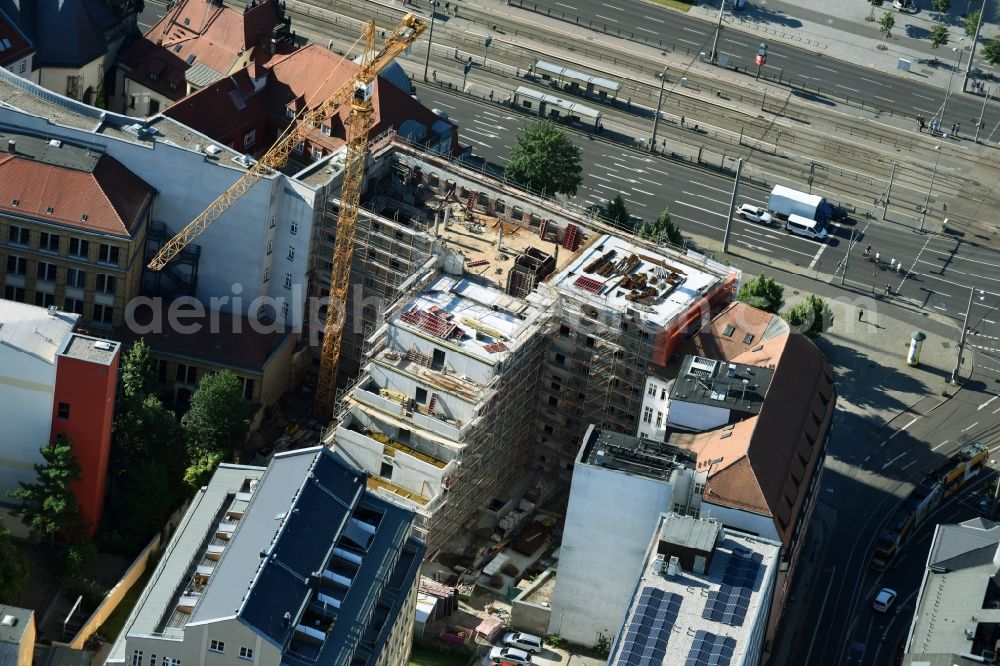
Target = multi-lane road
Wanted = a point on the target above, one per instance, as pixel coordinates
(796, 66)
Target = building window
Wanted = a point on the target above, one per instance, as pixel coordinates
(44, 300)
(217, 646)
(678, 508)
(652, 390)
(48, 242)
(63, 411)
(269, 246)
(317, 152)
(267, 273)
(74, 305)
(108, 254)
(46, 271)
(105, 283)
(288, 280)
(103, 314)
(76, 278)
(699, 488)
(247, 389)
(295, 227)
(291, 253)
(249, 138)
(18, 235)
(187, 374)
(136, 657)
(131, 101)
(21, 67)
(564, 330)
(386, 471)
(161, 371)
(663, 394)
(327, 130)
(17, 265)
(246, 653)
(647, 415)
(659, 419)
(79, 247)
(299, 147)
(560, 359)
(12, 293)
(547, 429)
(289, 113)
(284, 310)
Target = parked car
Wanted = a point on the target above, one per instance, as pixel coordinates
(884, 600)
(754, 214)
(904, 5)
(510, 655)
(527, 642)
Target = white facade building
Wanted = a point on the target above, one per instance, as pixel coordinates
(621, 485)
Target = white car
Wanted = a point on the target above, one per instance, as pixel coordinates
(527, 642)
(884, 600)
(510, 655)
(904, 5)
(754, 214)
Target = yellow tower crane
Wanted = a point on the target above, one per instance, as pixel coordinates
(357, 91)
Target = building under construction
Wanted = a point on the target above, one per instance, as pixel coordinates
(489, 329)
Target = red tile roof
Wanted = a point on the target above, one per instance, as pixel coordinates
(112, 198)
(759, 462)
(229, 108)
(198, 31)
(18, 46)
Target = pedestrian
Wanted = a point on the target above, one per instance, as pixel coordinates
(892, 264)
(888, 290)
(629, 103)
(868, 251)
(456, 53)
(958, 127)
(878, 258)
(447, 6)
(491, 95)
(861, 314)
(517, 74)
(434, 74)
(920, 123)
(682, 121)
(899, 268)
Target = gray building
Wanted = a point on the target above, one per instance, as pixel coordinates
(957, 619)
(294, 564)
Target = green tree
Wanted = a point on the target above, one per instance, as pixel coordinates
(216, 425)
(874, 4)
(812, 316)
(13, 569)
(77, 562)
(885, 26)
(991, 51)
(49, 506)
(662, 230)
(938, 36)
(972, 23)
(763, 293)
(138, 372)
(941, 6)
(617, 211)
(544, 160)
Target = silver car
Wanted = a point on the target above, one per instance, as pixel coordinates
(754, 214)
(498, 655)
(527, 642)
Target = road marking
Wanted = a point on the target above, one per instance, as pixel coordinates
(886, 99)
(617, 9)
(606, 18)
(907, 465)
(971, 426)
(903, 428)
(846, 88)
(827, 69)
(709, 187)
(605, 167)
(997, 410)
(697, 32)
(819, 253)
(566, 6)
(940, 445)
(599, 178)
(777, 55)
(658, 171)
(652, 32)
(822, 608)
(688, 41)
(650, 18)
(733, 41)
(704, 210)
(444, 104)
(878, 83)
(636, 189)
(485, 145)
(893, 460)
(987, 402)
(923, 96)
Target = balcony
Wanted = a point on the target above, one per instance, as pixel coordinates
(376, 484)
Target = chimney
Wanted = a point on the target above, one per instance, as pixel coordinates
(673, 566)
(12, 146)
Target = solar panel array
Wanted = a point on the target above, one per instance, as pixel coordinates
(589, 284)
(708, 649)
(645, 642)
(730, 602)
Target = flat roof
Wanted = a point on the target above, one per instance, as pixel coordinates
(734, 386)
(35, 330)
(685, 596)
(13, 629)
(574, 75)
(613, 273)
(482, 321)
(91, 349)
(633, 455)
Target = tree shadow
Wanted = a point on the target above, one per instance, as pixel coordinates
(758, 14)
(813, 97)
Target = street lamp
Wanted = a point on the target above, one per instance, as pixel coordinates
(656, 117)
(761, 58)
(430, 39)
(965, 329)
(486, 47)
(958, 63)
(927, 201)
(987, 95)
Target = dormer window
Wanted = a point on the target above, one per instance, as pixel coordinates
(289, 113)
(49, 210)
(327, 130)
(15, 202)
(177, 48)
(187, 21)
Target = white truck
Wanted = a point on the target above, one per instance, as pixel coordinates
(785, 201)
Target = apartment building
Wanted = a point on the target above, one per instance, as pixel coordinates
(54, 381)
(702, 597)
(73, 223)
(17, 635)
(957, 617)
(16, 52)
(294, 564)
(621, 485)
(442, 417)
(623, 305)
(194, 44)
